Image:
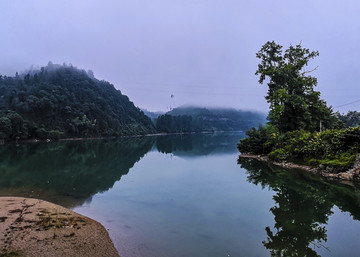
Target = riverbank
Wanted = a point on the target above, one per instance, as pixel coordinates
(350, 175)
(31, 227)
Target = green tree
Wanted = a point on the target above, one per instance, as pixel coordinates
(5, 127)
(351, 119)
(293, 102)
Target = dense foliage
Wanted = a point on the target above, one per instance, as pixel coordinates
(256, 141)
(196, 119)
(335, 149)
(351, 119)
(63, 101)
(293, 102)
(177, 124)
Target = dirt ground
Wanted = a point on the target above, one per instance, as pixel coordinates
(30, 227)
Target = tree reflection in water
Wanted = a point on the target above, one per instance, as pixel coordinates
(70, 173)
(62, 170)
(303, 204)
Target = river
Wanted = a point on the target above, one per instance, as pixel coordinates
(187, 195)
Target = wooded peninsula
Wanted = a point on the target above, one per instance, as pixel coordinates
(302, 128)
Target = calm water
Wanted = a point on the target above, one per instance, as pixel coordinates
(188, 196)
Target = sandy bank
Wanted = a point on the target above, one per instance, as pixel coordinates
(30, 227)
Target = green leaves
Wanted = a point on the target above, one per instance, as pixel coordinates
(351, 119)
(259, 141)
(335, 149)
(293, 102)
(46, 104)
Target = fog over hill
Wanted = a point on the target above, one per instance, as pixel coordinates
(195, 119)
(62, 101)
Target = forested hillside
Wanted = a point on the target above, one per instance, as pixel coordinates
(62, 101)
(196, 119)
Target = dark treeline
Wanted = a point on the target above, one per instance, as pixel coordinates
(178, 124)
(196, 119)
(62, 101)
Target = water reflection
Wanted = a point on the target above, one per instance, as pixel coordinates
(303, 204)
(193, 145)
(197, 205)
(69, 173)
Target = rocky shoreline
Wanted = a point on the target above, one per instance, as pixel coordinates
(350, 175)
(31, 227)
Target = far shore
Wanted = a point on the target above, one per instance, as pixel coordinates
(36, 140)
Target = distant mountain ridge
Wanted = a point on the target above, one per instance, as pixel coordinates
(195, 119)
(60, 101)
(152, 115)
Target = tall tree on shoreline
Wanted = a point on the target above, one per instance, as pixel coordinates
(293, 102)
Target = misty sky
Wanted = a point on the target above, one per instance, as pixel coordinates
(200, 51)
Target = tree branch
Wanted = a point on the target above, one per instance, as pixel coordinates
(310, 70)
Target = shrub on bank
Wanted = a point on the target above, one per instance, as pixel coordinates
(258, 141)
(333, 149)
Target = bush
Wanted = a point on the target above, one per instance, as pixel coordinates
(280, 154)
(259, 141)
(55, 134)
(333, 149)
(335, 163)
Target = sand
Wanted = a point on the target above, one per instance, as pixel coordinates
(31, 227)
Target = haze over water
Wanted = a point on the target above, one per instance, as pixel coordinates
(187, 196)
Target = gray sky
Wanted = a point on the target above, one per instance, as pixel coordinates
(201, 51)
